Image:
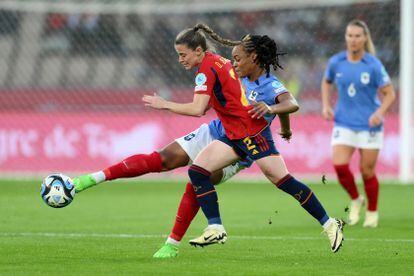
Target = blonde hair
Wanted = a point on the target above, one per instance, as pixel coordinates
(369, 45)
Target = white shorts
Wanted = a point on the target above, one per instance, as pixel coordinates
(197, 140)
(361, 139)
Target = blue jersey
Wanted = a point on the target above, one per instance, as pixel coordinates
(357, 84)
(265, 89)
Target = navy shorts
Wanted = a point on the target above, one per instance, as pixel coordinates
(254, 147)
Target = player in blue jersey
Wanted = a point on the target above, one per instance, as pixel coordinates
(253, 57)
(358, 117)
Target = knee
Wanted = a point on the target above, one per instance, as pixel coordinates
(171, 161)
(165, 161)
(197, 174)
(367, 171)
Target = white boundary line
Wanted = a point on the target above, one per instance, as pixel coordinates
(151, 236)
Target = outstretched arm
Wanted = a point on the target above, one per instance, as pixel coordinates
(196, 108)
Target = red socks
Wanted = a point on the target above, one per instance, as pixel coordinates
(371, 186)
(187, 210)
(346, 178)
(135, 165)
(347, 181)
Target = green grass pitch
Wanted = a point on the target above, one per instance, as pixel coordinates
(116, 227)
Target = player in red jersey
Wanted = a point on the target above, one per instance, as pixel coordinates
(246, 135)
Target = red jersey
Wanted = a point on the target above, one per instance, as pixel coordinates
(216, 77)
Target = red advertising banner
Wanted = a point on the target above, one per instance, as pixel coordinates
(37, 143)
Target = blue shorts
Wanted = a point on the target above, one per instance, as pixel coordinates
(254, 147)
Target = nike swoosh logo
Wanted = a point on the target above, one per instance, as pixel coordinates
(336, 238)
(207, 238)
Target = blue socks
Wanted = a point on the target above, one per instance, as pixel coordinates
(305, 196)
(205, 192)
(207, 196)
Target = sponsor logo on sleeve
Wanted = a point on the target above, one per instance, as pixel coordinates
(385, 76)
(200, 88)
(278, 87)
(200, 81)
(276, 84)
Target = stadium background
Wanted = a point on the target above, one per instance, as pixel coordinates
(73, 74)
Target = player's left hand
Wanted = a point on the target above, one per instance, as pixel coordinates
(259, 109)
(154, 101)
(375, 119)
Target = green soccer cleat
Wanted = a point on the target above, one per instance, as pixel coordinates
(83, 182)
(168, 250)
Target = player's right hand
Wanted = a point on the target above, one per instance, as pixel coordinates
(154, 101)
(327, 113)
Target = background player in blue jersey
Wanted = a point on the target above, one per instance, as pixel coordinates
(358, 117)
(253, 57)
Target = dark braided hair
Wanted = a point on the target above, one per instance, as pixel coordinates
(266, 50)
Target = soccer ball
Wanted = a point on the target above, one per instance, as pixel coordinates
(57, 190)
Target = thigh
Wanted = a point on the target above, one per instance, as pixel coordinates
(369, 158)
(173, 156)
(215, 156)
(273, 167)
(342, 154)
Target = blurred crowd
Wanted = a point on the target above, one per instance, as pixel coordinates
(309, 36)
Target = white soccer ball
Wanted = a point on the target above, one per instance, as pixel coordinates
(57, 190)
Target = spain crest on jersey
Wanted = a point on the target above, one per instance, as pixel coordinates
(364, 77)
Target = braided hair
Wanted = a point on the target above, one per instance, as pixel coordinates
(194, 37)
(266, 50)
(263, 46)
(215, 36)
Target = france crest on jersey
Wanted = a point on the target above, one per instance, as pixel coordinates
(265, 89)
(357, 84)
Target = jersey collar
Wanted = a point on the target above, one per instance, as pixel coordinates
(262, 79)
(364, 58)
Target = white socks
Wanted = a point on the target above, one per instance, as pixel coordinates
(99, 177)
(172, 241)
(328, 222)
